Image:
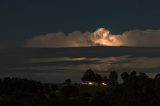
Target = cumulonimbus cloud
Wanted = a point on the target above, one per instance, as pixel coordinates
(74, 39)
(101, 37)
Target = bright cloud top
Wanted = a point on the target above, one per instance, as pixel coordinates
(101, 37)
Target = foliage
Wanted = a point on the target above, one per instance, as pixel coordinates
(136, 90)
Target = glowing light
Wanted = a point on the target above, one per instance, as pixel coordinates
(104, 84)
(90, 83)
(103, 37)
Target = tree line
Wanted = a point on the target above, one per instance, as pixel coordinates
(135, 90)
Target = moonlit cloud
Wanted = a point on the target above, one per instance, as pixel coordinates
(140, 38)
(73, 39)
(101, 37)
(148, 38)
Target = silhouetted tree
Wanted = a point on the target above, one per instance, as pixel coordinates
(157, 77)
(157, 85)
(136, 90)
(125, 76)
(113, 78)
(105, 79)
(133, 74)
(98, 78)
(89, 75)
(68, 82)
(133, 77)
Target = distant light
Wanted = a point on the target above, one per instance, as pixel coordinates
(90, 83)
(103, 83)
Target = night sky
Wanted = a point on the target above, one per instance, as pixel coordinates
(20, 20)
(47, 27)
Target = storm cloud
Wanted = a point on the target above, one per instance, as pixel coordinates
(60, 39)
(101, 37)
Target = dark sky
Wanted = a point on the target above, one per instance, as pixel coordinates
(57, 64)
(22, 19)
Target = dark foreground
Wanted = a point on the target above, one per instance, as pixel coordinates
(136, 90)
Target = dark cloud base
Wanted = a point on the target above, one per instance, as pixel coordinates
(89, 52)
(56, 64)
